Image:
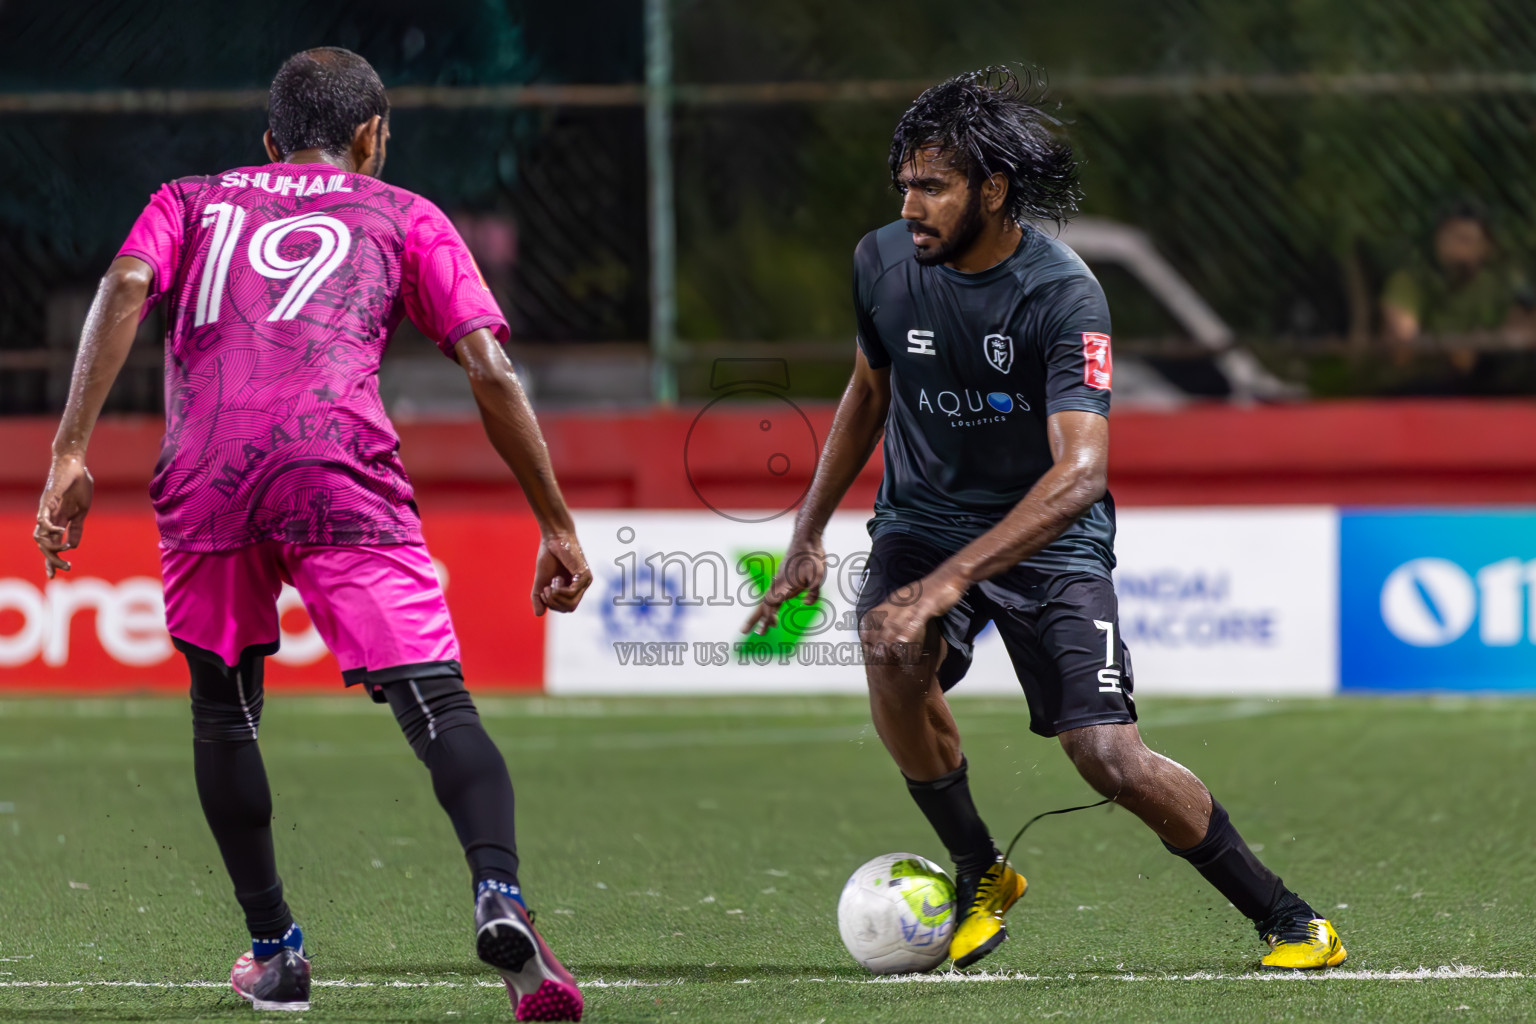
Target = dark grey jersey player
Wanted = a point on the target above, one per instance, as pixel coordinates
(984, 359)
(978, 363)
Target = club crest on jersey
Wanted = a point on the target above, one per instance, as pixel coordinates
(999, 350)
(1098, 364)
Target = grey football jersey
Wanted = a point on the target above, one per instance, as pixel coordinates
(978, 361)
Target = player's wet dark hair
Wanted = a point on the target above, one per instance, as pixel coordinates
(319, 97)
(992, 122)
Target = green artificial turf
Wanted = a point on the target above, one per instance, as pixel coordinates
(685, 858)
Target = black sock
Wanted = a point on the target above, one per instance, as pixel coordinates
(232, 785)
(470, 779)
(1225, 861)
(946, 803)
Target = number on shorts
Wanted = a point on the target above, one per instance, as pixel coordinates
(1109, 675)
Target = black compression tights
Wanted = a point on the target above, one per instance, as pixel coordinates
(232, 782)
(469, 774)
(439, 719)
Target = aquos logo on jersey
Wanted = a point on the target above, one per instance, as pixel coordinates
(1438, 601)
(970, 407)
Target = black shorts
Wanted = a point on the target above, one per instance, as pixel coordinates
(1061, 630)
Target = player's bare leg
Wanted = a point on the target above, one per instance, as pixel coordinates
(913, 720)
(1181, 811)
(1161, 792)
(907, 705)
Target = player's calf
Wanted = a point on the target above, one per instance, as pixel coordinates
(469, 775)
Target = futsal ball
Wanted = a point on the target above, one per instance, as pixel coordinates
(897, 913)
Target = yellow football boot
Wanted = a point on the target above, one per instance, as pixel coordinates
(1303, 945)
(983, 900)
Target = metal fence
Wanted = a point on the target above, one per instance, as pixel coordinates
(1285, 157)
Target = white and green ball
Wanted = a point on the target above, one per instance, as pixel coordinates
(897, 913)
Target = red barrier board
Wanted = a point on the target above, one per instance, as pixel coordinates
(1387, 452)
(101, 626)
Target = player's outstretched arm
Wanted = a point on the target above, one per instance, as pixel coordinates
(104, 343)
(1077, 479)
(561, 573)
(856, 429)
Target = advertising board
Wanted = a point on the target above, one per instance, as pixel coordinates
(1438, 600)
(1213, 601)
(102, 625)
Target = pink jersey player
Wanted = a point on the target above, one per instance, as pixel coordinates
(284, 282)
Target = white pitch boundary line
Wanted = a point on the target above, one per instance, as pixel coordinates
(1456, 972)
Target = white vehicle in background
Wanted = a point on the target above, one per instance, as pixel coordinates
(1103, 242)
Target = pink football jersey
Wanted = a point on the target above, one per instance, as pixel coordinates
(285, 283)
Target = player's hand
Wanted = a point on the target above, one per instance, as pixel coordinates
(61, 512)
(560, 574)
(802, 572)
(903, 617)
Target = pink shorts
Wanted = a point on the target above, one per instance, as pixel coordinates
(376, 608)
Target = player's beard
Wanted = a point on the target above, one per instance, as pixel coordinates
(965, 233)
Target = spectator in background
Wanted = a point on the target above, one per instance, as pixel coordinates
(1467, 289)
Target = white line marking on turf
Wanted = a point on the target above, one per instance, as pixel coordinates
(1225, 712)
(1455, 972)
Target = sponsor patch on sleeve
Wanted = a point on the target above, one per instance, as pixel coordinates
(1098, 365)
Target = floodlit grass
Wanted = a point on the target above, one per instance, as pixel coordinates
(685, 858)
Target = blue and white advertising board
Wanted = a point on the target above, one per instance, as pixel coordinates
(1212, 601)
(1276, 601)
(1437, 600)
